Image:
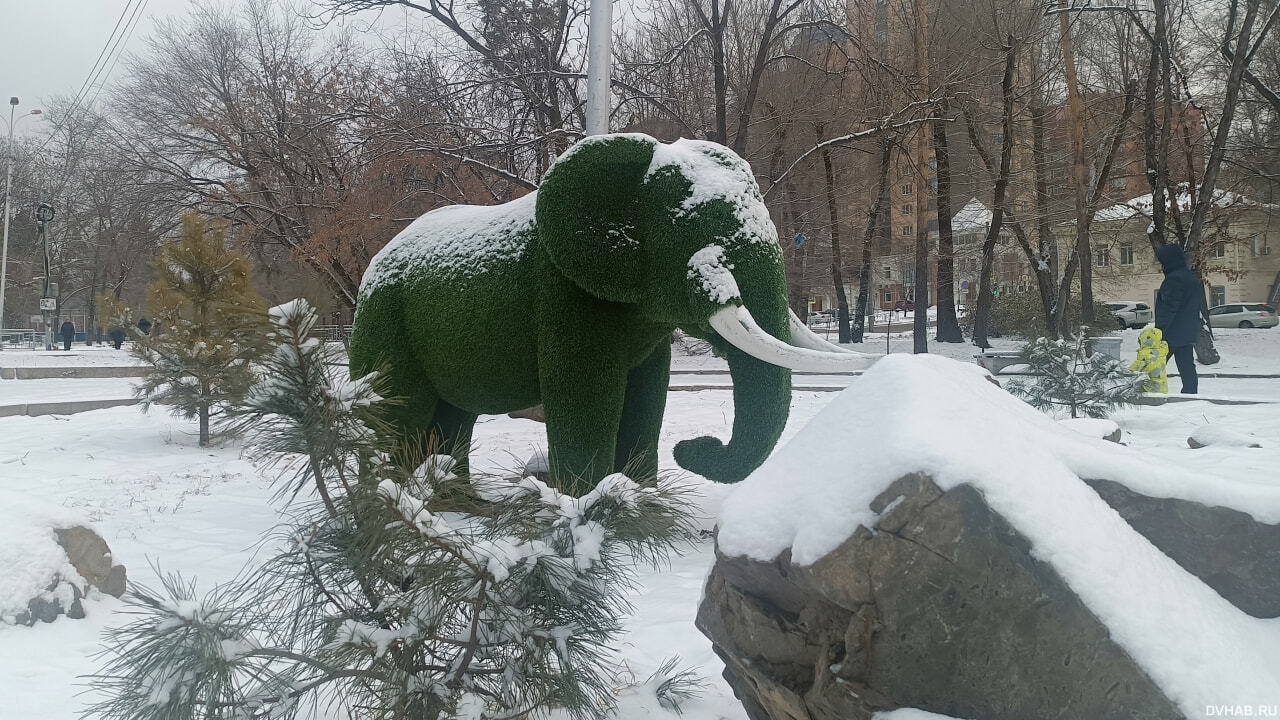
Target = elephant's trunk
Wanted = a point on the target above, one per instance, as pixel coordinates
(761, 401)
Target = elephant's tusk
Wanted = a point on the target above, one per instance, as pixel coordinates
(736, 325)
(802, 336)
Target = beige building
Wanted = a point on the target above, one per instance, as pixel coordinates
(1240, 255)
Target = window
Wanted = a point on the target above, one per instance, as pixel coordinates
(1126, 254)
(908, 189)
(997, 138)
(933, 186)
(908, 230)
(886, 295)
(907, 209)
(1119, 184)
(933, 163)
(1219, 250)
(1100, 258)
(904, 171)
(1217, 295)
(886, 271)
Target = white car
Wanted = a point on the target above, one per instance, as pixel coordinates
(1244, 315)
(1130, 314)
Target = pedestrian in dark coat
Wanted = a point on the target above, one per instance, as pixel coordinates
(117, 337)
(68, 332)
(1178, 313)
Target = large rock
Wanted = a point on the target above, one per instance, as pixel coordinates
(940, 607)
(1230, 551)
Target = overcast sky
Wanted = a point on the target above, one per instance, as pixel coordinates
(47, 47)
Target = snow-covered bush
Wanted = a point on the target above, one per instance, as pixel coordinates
(404, 589)
(1069, 374)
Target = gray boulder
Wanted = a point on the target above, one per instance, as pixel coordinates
(940, 607)
(1228, 550)
(91, 557)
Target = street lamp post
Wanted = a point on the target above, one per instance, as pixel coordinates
(599, 65)
(8, 179)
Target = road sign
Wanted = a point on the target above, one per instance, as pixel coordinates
(48, 303)
(800, 238)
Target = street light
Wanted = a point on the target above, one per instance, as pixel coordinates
(8, 180)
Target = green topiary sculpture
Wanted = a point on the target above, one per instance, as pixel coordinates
(568, 297)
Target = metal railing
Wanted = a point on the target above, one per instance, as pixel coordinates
(21, 338)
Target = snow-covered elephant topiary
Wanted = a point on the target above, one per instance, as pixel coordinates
(568, 297)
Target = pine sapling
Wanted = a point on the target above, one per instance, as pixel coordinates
(208, 328)
(1069, 374)
(401, 587)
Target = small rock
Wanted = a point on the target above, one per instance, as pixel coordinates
(91, 557)
(1207, 435)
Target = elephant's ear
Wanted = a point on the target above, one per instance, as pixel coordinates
(589, 214)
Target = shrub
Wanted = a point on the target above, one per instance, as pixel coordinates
(1022, 315)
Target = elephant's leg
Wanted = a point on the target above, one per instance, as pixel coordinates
(452, 428)
(582, 396)
(646, 400)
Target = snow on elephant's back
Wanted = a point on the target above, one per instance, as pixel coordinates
(923, 413)
(457, 240)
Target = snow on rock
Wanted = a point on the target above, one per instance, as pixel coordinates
(1221, 435)
(911, 714)
(913, 413)
(1093, 427)
(463, 240)
(31, 556)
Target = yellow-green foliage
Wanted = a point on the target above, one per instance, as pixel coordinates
(1022, 315)
(208, 326)
(569, 299)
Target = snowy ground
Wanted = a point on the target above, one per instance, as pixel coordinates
(79, 354)
(157, 498)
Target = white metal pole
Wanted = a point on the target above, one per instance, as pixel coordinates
(599, 65)
(4, 254)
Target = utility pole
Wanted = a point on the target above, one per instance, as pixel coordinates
(48, 303)
(599, 65)
(8, 180)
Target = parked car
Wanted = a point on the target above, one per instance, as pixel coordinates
(1244, 315)
(1130, 314)
(905, 306)
(819, 318)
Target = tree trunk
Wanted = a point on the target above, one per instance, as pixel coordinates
(920, 316)
(868, 238)
(1079, 174)
(1046, 268)
(720, 85)
(833, 216)
(983, 316)
(948, 329)
(204, 423)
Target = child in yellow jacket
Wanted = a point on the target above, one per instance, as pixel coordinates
(1153, 353)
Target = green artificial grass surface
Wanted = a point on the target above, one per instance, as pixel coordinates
(569, 299)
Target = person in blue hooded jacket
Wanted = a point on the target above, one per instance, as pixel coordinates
(1178, 313)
